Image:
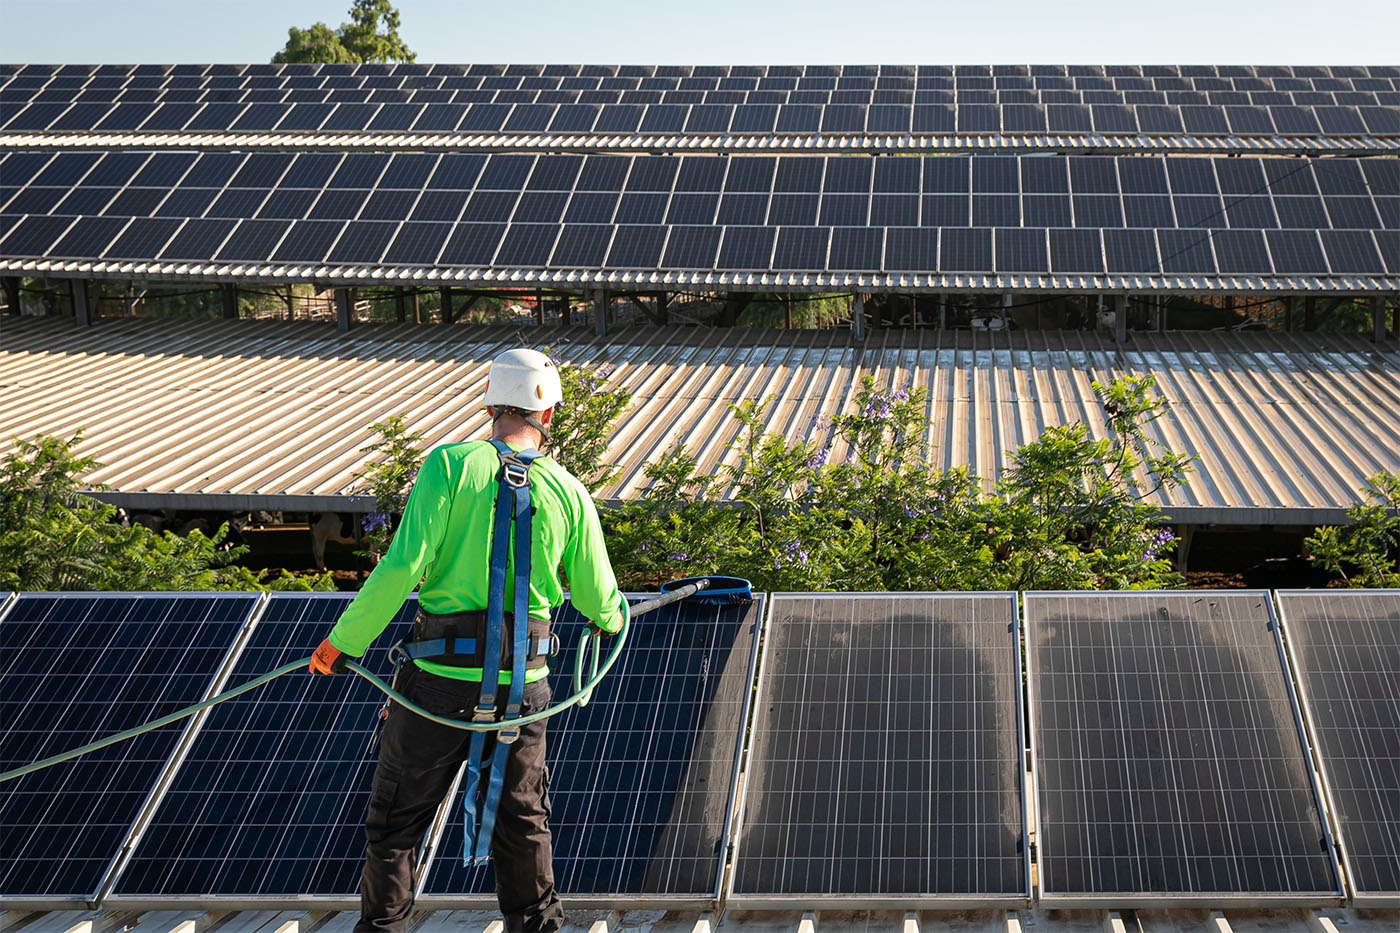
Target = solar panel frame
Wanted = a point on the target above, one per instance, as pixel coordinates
(884, 901)
(754, 617)
(1324, 751)
(159, 781)
(1211, 899)
(144, 876)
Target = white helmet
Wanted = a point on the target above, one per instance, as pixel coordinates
(523, 379)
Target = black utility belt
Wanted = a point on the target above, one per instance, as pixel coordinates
(458, 639)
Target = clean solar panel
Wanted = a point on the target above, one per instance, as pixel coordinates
(77, 667)
(886, 753)
(1168, 760)
(641, 779)
(1345, 646)
(271, 798)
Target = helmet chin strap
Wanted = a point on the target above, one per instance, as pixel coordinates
(527, 417)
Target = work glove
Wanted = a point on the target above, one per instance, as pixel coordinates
(595, 629)
(327, 659)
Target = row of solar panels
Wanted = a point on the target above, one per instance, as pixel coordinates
(377, 70)
(1013, 215)
(1230, 178)
(604, 248)
(1171, 762)
(618, 115)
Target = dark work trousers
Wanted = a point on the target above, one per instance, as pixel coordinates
(418, 759)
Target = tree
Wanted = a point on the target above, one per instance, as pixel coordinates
(52, 537)
(360, 40)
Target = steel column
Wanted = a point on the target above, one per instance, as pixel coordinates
(78, 301)
(228, 292)
(1378, 320)
(858, 317)
(342, 309)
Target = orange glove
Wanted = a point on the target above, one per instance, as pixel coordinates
(595, 629)
(327, 659)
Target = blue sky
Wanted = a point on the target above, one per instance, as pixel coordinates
(729, 31)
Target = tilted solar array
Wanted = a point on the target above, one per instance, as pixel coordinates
(924, 223)
(641, 779)
(885, 763)
(271, 798)
(668, 107)
(1346, 649)
(79, 667)
(1169, 760)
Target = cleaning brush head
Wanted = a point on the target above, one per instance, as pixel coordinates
(715, 589)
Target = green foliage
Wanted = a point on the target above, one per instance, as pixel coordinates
(578, 435)
(317, 43)
(807, 311)
(360, 40)
(53, 537)
(1361, 553)
(387, 476)
(854, 506)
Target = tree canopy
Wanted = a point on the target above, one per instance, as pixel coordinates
(372, 35)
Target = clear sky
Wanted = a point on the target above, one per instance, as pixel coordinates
(729, 31)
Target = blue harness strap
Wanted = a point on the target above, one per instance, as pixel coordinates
(512, 508)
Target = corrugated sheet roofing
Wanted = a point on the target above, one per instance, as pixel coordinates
(275, 415)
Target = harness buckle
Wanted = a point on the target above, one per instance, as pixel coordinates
(507, 736)
(398, 654)
(553, 643)
(484, 715)
(514, 473)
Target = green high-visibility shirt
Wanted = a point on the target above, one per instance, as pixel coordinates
(444, 539)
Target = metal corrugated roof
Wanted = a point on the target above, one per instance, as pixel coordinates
(1330, 920)
(652, 280)
(780, 143)
(275, 414)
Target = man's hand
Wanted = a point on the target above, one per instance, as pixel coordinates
(327, 659)
(595, 629)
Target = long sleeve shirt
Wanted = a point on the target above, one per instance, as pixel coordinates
(444, 539)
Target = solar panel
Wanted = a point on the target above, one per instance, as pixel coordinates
(76, 667)
(1168, 761)
(1345, 646)
(885, 756)
(641, 779)
(271, 798)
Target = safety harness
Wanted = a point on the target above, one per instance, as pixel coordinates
(512, 509)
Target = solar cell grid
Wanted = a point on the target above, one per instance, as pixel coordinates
(78, 667)
(1345, 647)
(1167, 756)
(640, 779)
(272, 795)
(884, 759)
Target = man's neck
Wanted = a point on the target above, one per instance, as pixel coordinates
(522, 437)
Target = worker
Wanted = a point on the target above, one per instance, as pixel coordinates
(446, 537)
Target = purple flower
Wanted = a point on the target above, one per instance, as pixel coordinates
(677, 556)
(376, 521)
(818, 459)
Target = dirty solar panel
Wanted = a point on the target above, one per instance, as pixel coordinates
(75, 668)
(1346, 648)
(640, 779)
(271, 799)
(1167, 756)
(885, 758)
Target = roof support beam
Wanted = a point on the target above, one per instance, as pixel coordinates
(858, 317)
(342, 309)
(229, 293)
(1378, 319)
(78, 301)
(1120, 318)
(600, 312)
(12, 305)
